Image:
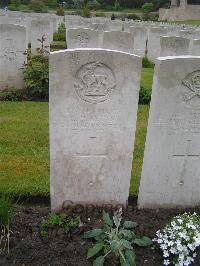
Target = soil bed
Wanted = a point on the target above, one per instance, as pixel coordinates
(28, 247)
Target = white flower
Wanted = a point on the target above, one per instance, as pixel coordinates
(165, 254)
(179, 239)
(166, 262)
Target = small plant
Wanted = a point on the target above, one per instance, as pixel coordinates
(117, 238)
(12, 94)
(60, 220)
(5, 210)
(36, 72)
(132, 16)
(146, 63)
(5, 215)
(86, 10)
(179, 239)
(147, 7)
(145, 95)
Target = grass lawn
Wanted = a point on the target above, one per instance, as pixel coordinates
(24, 151)
(191, 22)
(147, 78)
(143, 113)
(24, 146)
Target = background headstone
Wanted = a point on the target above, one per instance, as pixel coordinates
(140, 39)
(83, 38)
(174, 46)
(154, 42)
(13, 45)
(196, 47)
(118, 40)
(40, 28)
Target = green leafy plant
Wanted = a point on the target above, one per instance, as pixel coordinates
(12, 94)
(38, 6)
(5, 210)
(5, 215)
(147, 7)
(60, 220)
(145, 95)
(86, 10)
(36, 72)
(146, 63)
(133, 16)
(117, 5)
(117, 238)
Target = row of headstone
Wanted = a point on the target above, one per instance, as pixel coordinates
(93, 109)
(16, 31)
(37, 25)
(130, 42)
(159, 44)
(147, 37)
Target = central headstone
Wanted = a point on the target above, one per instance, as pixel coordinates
(93, 111)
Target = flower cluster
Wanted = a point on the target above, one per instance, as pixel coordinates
(179, 239)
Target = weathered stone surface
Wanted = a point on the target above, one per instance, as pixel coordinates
(118, 40)
(140, 39)
(13, 45)
(171, 166)
(154, 42)
(196, 47)
(93, 111)
(40, 28)
(115, 25)
(174, 46)
(83, 38)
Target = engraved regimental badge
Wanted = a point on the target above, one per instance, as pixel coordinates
(96, 82)
(192, 82)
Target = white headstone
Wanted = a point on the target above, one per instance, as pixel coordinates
(118, 40)
(115, 25)
(154, 42)
(140, 39)
(174, 46)
(40, 28)
(83, 38)
(93, 111)
(13, 45)
(171, 166)
(196, 47)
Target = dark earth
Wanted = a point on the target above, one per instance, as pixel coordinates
(28, 247)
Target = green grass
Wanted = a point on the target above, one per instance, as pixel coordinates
(60, 43)
(147, 78)
(24, 149)
(24, 146)
(191, 22)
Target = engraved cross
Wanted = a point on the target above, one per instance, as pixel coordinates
(187, 155)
